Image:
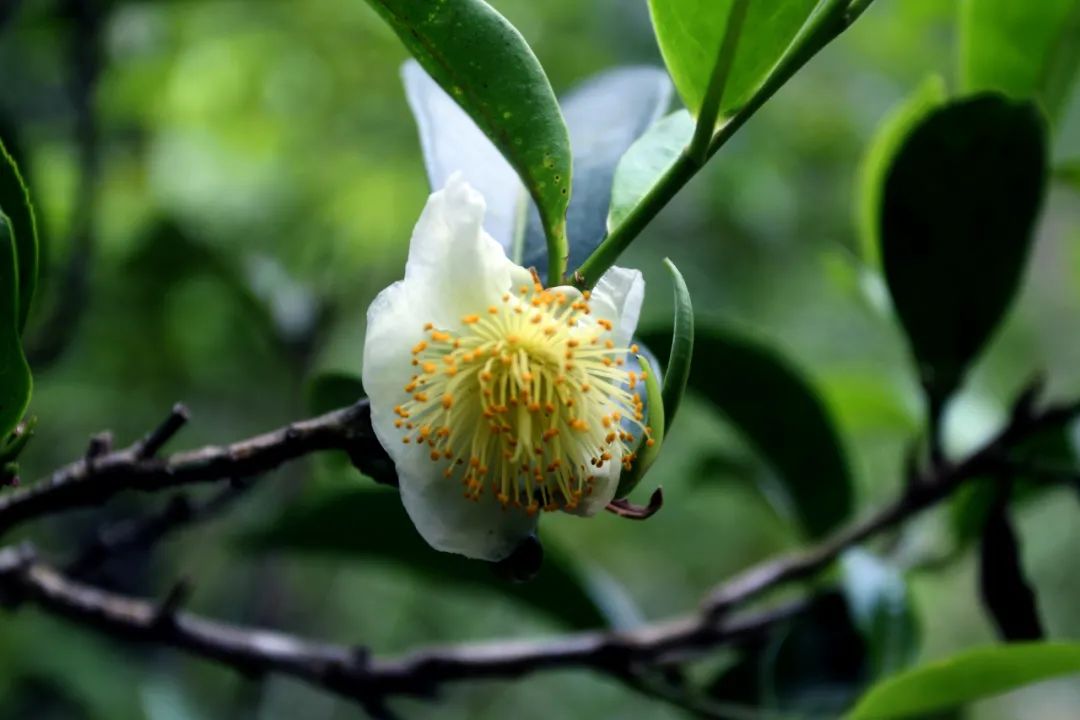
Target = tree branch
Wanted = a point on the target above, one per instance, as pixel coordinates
(93, 480)
(350, 671)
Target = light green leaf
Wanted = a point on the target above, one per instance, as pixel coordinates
(690, 33)
(1027, 50)
(677, 371)
(486, 66)
(15, 381)
(870, 180)
(965, 678)
(15, 204)
(646, 161)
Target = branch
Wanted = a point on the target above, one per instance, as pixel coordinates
(98, 477)
(350, 671)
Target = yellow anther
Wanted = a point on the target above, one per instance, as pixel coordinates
(470, 319)
(419, 347)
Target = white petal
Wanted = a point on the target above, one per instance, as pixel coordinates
(447, 521)
(618, 297)
(392, 329)
(455, 268)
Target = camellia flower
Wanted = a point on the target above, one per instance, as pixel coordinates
(496, 397)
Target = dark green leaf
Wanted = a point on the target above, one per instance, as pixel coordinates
(646, 161)
(780, 415)
(690, 32)
(1005, 591)
(15, 381)
(870, 182)
(965, 678)
(482, 61)
(814, 666)
(605, 115)
(332, 390)
(371, 524)
(15, 204)
(880, 606)
(960, 203)
(1025, 50)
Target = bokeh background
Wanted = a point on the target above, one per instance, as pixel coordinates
(224, 186)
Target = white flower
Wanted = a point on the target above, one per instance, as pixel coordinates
(497, 397)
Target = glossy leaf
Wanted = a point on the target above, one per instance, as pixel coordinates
(15, 204)
(880, 606)
(1025, 50)
(605, 115)
(646, 161)
(371, 524)
(484, 63)
(690, 33)
(959, 207)
(452, 142)
(15, 381)
(1006, 592)
(780, 414)
(890, 135)
(966, 677)
(677, 371)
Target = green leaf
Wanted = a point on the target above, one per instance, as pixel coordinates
(15, 381)
(1027, 50)
(959, 206)
(690, 33)
(677, 371)
(15, 204)
(780, 414)
(645, 162)
(332, 390)
(965, 678)
(880, 606)
(484, 63)
(870, 180)
(371, 524)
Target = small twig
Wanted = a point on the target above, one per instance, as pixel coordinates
(153, 442)
(145, 532)
(82, 484)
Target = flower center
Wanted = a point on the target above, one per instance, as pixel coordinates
(528, 399)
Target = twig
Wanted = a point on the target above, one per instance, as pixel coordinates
(87, 483)
(153, 442)
(934, 484)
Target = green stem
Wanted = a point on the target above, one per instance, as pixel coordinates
(558, 251)
(825, 26)
(714, 94)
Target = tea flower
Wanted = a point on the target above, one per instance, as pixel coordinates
(498, 398)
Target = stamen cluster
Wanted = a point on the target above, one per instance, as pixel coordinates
(529, 398)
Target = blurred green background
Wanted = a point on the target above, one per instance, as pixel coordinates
(257, 176)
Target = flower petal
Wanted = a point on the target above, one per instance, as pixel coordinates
(483, 530)
(392, 329)
(604, 487)
(455, 268)
(618, 296)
